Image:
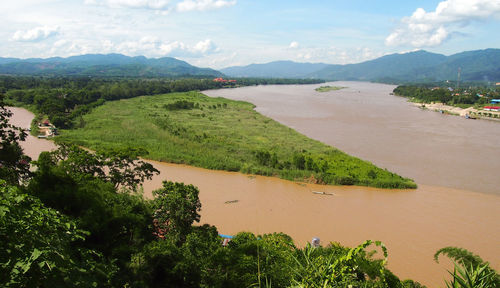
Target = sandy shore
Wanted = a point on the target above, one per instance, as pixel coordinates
(446, 108)
(475, 113)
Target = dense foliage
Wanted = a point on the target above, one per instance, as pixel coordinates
(14, 165)
(446, 95)
(217, 133)
(64, 100)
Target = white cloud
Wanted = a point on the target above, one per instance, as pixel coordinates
(147, 4)
(164, 6)
(205, 47)
(304, 56)
(158, 5)
(202, 5)
(173, 48)
(179, 49)
(154, 47)
(60, 43)
(334, 55)
(294, 45)
(423, 28)
(36, 34)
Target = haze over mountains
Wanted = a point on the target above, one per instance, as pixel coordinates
(276, 69)
(419, 66)
(104, 65)
(479, 65)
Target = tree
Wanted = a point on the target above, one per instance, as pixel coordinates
(119, 224)
(38, 246)
(14, 165)
(176, 209)
(121, 167)
(164, 263)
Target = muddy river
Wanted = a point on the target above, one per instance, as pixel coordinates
(364, 120)
(412, 223)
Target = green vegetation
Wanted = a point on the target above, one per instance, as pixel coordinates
(470, 270)
(14, 165)
(217, 133)
(463, 98)
(63, 100)
(68, 225)
(328, 88)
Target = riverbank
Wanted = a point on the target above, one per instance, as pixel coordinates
(470, 112)
(221, 134)
(442, 108)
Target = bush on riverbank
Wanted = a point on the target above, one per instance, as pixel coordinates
(221, 134)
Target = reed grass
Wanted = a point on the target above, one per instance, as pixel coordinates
(222, 134)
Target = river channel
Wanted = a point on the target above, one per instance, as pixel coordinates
(365, 121)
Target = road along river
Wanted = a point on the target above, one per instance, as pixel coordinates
(412, 223)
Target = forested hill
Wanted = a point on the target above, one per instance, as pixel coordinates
(418, 66)
(398, 66)
(110, 65)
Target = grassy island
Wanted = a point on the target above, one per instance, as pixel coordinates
(329, 88)
(222, 134)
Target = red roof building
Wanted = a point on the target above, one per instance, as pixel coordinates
(491, 108)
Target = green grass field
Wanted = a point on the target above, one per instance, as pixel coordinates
(222, 134)
(328, 88)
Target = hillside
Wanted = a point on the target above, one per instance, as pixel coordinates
(114, 65)
(418, 66)
(276, 69)
(392, 66)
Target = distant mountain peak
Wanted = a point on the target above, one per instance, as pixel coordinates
(116, 65)
(416, 65)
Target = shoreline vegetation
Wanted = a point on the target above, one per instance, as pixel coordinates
(470, 102)
(221, 134)
(328, 88)
(63, 100)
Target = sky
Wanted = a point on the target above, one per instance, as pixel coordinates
(222, 33)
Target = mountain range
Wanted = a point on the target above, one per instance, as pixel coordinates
(276, 69)
(418, 66)
(104, 65)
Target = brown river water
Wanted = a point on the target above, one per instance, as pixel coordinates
(446, 209)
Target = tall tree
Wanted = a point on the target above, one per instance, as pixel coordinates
(122, 167)
(14, 165)
(176, 209)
